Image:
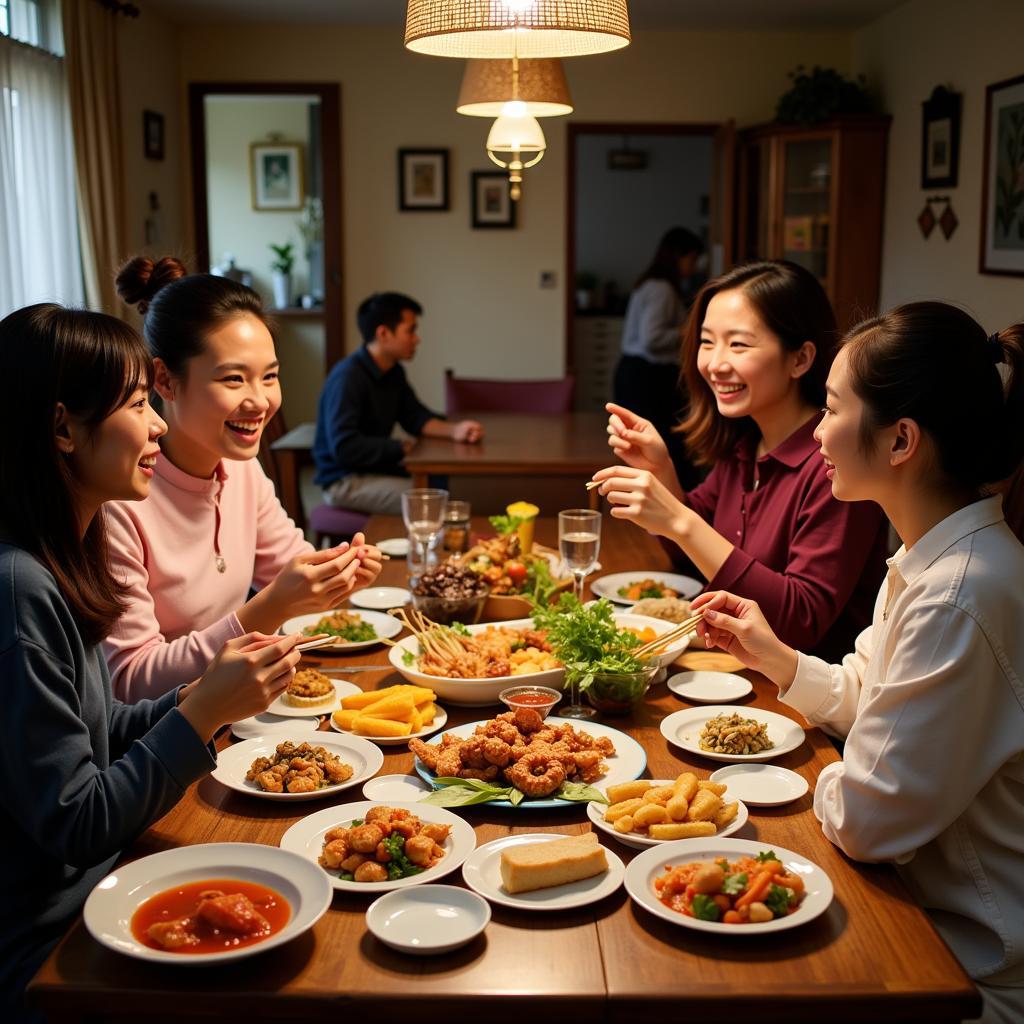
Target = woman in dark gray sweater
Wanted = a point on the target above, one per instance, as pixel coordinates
(83, 774)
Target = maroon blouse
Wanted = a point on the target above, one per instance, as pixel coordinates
(812, 563)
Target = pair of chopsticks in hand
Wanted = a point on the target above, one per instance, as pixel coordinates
(684, 628)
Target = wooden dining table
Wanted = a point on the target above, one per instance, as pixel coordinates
(873, 955)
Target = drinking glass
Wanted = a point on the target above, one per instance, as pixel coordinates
(423, 511)
(579, 540)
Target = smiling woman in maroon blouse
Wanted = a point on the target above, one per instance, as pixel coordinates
(757, 349)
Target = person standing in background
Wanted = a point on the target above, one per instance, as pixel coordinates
(647, 378)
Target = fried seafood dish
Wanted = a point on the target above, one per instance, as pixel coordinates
(733, 734)
(298, 769)
(309, 688)
(496, 651)
(389, 843)
(533, 756)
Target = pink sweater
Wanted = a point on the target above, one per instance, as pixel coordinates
(181, 606)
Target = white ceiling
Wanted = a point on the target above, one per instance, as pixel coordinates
(644, 14)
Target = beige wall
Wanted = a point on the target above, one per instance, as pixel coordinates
(966, 46)
(485, 314)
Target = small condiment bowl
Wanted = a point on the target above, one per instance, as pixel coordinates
(537, 698)
(428, 919)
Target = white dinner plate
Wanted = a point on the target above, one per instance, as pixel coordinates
(397, 547)
(482, 872)
(342, 688)
(627, 763)
(306, 838)
(385, 626)
(647, 866)
(384, 789)
(429, 919)
(233, 762)
(762, 785)
(112, 903)
(704, 687)
(440, 719)
(608, 586)
(595, 812)
(266, 724)
(683, 728)
(380, 597)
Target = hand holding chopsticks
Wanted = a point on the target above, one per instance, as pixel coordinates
(685, 628)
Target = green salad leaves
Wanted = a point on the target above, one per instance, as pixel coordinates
(456, 792)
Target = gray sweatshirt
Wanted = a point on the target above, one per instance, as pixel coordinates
(81, 774)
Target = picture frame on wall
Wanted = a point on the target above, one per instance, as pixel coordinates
(423, 179)
(276, 175)
(153, 135)
(940, 138)
(1002, 205)
(490, 201)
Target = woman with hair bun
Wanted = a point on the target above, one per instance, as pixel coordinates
(757, 349)
(925, 413)
(213, 529)
(85, 774)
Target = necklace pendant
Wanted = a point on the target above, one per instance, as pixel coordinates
(221, 564)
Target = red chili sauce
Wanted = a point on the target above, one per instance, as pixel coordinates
(182, 901)
(530, 700)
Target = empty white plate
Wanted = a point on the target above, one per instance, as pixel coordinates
(389, 788)
(428, 919)
(380, 597)
(763, 785)
(395, 546)
(266, 724)
(709, 687)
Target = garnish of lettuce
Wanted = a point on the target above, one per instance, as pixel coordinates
(704, 908)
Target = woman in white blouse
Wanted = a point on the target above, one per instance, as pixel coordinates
(923, 412)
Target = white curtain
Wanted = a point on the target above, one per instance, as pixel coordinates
(39, 253)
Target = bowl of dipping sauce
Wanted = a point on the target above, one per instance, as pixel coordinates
(537, 698)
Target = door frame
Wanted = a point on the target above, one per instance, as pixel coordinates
(329, 94)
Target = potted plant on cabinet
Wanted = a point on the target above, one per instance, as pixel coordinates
(282, 268)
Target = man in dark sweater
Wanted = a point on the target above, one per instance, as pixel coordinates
(358, 462)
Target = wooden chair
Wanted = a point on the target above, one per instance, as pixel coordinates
(471, 394)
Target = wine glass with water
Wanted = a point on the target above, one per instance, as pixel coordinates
(579, 541)
(423, 511)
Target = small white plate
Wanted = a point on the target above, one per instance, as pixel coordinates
(404, 788)
(380, 597)
(306, 838)
(385, 626)
(109, 909)
(482, 872)
(342, 688)
(396, 546)
(439, 722)
(650, 864)
(704, 687)
(683, 728)
(608, 586)
(428, 919)
(233, 762)
(762, 785)
(595, 812)
(266, 724)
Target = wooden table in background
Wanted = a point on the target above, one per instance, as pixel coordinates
(872, 956)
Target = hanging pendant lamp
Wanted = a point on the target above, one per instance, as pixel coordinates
(495, 28)
(487, 88)
(514, 144)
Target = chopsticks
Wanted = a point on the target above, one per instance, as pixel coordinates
(591, 484)
(676, 633)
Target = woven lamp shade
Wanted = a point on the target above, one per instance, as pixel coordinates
(487, 87)
(496, 29)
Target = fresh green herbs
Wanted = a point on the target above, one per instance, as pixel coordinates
(778, 900)
(456, 792)
(734, 884)
(505, 524)
(540, 585)
(408, 658)
(399, 866)
(765, 855)
(704, 908)
(352, 632)
(458, 627)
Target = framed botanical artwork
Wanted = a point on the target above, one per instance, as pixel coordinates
(276, 174)
(423, 179)
(940, 139)
(1002, 205)
(490, 201)
(153, 135)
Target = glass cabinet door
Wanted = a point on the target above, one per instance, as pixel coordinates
(755, 242)
(807, 175)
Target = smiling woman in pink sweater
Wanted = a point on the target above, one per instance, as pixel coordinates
(212, 528)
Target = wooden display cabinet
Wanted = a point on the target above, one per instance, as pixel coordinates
(815, 196)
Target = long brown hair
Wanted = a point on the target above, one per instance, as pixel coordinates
(933, 363)
(793, 305)
(92, 364)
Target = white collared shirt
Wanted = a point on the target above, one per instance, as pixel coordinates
(931, 704)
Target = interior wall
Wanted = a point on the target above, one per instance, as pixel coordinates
(965, 47)
(485, 313)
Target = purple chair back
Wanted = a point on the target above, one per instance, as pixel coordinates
(468, 394)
